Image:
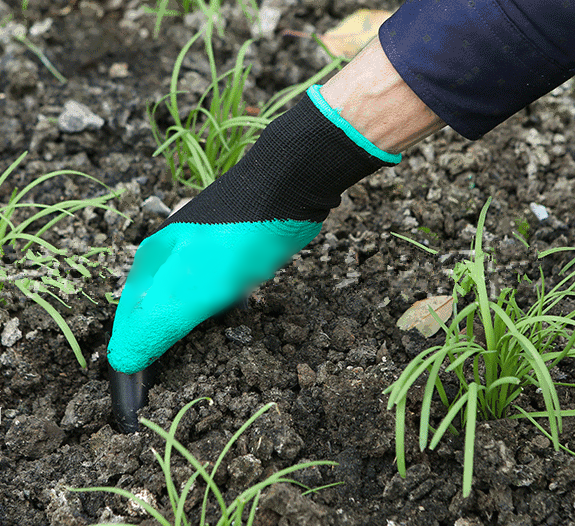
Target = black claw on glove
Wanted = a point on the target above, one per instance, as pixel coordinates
(129, 395)
(130, 391)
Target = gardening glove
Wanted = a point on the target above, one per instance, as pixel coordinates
(240, 230)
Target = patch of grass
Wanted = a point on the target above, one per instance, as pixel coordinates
(249, 8)
(520, 349)
(212, 140)
(41, 268)
(231, 514)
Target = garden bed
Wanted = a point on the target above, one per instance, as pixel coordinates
(320, 339)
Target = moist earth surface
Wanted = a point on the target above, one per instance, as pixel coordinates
(320, 339)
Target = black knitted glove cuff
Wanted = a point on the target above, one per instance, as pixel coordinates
(297, 169)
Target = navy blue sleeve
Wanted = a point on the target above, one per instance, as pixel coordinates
(477, 62)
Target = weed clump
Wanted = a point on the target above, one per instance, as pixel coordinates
(34, 266)
(520, 349)
(216, 133)
(231, 514)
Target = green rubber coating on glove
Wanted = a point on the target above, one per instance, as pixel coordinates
(335, 118)
(188, 272)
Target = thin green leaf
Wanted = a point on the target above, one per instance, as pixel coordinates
(57, 317)
(415, 243)
(447, 419)
(471, 414)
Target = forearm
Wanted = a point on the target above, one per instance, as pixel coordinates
(374, 99)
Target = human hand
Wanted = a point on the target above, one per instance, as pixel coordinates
(240, 230)
(186, 273)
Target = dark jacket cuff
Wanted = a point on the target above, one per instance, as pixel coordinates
(475, 63)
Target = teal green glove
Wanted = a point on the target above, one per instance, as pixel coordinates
(236, 234)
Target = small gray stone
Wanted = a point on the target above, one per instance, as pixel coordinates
(346, 283)
(269, 20)
(33, 437)
(154, 205)
(539, 211)
(241, 334)
(434, 194)
(91, 9)
(11, 333)
(119, 70)
(41, 27)
(114, 5)
(78, 117)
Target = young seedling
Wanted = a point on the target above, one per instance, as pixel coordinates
(521, 346)
(42, 57)
(249, 8)
(42, 269)
(212, 140)
(232, 514)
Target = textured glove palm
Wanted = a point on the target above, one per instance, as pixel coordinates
(240, 230)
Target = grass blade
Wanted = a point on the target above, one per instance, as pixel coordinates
(57, 317)
(469, 452)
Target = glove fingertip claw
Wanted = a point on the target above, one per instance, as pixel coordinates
(129, 394)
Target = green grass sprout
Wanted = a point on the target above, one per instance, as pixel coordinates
(522, 230)
(418, 245)
(249, 9)
(232, 514)
(42, 268)
(40, 54)
(161, 10)
(342, 60)
(212, 140)
(520, 349)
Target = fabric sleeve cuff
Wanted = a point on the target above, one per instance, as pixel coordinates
(475, 63)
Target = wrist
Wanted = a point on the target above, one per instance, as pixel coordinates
(370, 94)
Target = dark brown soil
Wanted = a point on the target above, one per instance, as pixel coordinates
(319, 339)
